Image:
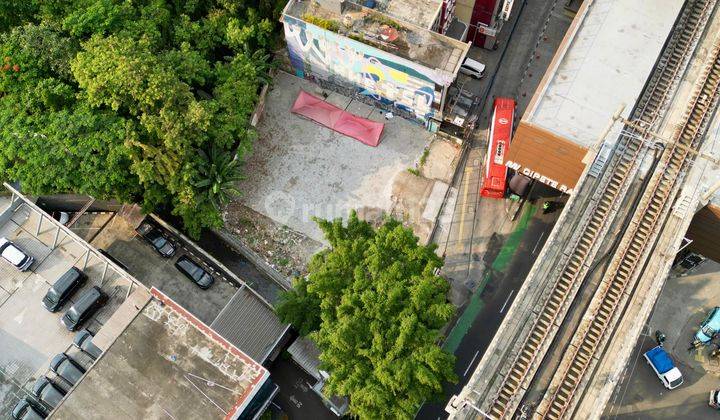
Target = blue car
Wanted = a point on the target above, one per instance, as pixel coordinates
(709, 327)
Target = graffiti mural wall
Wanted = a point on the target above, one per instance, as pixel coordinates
(391, 80)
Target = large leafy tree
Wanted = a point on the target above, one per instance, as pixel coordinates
(119, 99)
(374, 306)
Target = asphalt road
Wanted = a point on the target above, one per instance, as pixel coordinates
(515, 256)
(296, 398)
(493, 266)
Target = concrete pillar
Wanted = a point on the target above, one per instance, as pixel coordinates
(102, 279)
(57, 235)
(37, 231)
(87, 256)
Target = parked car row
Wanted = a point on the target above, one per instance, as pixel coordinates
(167, 248)
(48, 393)
(83, 308)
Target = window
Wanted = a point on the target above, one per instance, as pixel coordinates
(499, 153)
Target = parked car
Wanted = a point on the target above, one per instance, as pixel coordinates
(83, 341)
(68, 369)
(47, 392)
(14, 255)
(61, 216)
(194, 272)
(664, 367)
(157, 239)
(714, 401)
(63, 289)
(710, 326)
(27, 409)
(84, 308)
(113, 259)
(472, 68)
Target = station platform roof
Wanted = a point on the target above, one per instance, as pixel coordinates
(603, 62)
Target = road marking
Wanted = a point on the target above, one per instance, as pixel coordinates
(507, 300)
(538, 242)
(471, 362)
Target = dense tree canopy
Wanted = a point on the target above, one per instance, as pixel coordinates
(374, 306)
(129, 99)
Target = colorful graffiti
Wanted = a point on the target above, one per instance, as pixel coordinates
(391, 80)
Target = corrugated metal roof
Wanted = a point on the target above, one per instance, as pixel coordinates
(249, 324)
(306, 354)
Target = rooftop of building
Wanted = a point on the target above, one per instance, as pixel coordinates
(384, 32)
(250, 325)
(603, 62)
(162, 363)
(418, 12)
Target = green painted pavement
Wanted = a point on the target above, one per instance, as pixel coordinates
(475, 305)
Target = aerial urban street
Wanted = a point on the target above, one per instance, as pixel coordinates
(372, 209)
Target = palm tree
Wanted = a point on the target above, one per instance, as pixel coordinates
(218, 173)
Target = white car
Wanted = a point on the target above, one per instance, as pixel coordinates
(472, 68)
(664, 367)
(14, 255)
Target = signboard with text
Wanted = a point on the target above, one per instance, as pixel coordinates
(506, 9)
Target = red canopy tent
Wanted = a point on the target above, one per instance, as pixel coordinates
(310, 106)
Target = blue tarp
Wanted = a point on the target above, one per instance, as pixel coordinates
(660, 359)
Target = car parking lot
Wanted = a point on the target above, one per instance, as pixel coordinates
(683, 304)
(119, 239)
(31, 336)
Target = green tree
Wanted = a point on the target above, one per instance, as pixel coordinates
(218, 174)
(381, 308)
(300, 308)
(115, 98)
(50, 141)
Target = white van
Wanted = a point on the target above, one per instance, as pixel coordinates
(472, 68)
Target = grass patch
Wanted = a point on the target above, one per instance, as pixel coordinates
(414, 171)
(330, 25)
(424, 156)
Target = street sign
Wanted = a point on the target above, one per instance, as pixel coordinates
(506, 9)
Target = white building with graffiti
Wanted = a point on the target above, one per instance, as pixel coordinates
(369, 55)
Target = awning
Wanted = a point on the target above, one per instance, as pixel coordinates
(310, 106)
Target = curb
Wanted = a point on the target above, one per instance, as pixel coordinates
(284, 282)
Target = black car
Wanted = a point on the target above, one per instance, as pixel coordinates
(27, 409)
(155, 237)
(47, 392)
(83, 341)
(194, 272)
(84, 308)
(63, 288)
(67, 368)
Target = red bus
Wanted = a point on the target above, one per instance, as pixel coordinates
(498, 142)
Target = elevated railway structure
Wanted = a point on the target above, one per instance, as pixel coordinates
(500, 396)
(628, 261)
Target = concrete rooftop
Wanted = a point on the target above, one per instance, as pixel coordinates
(414, 43)
(605, 64)
(418, 12)
(159, 367)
